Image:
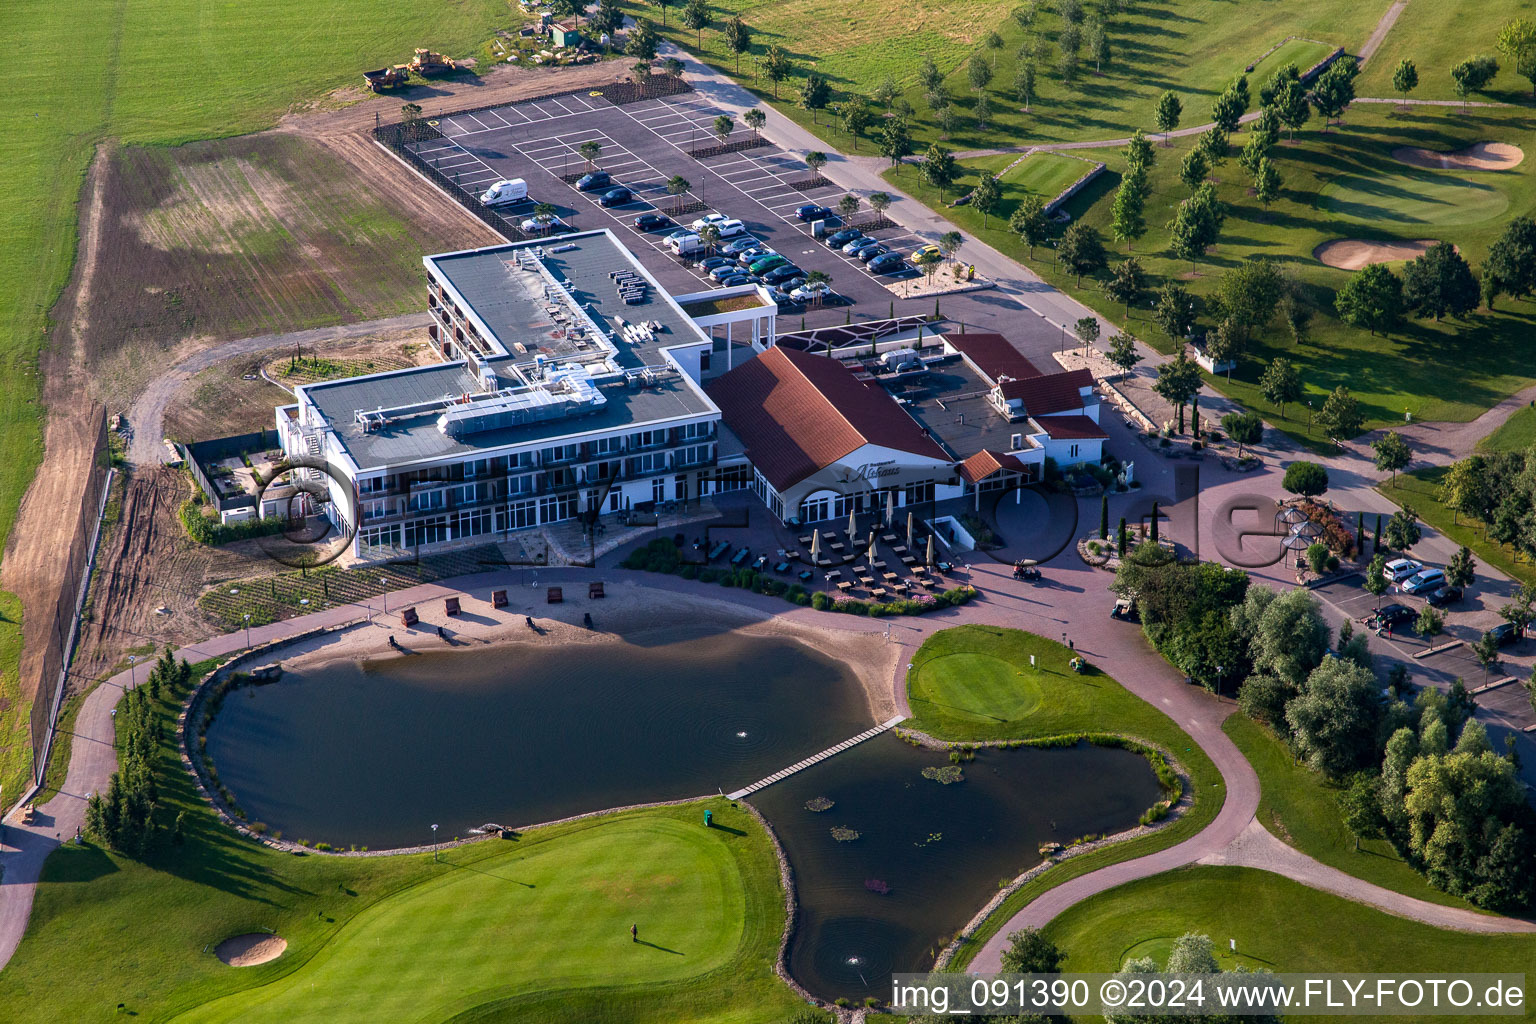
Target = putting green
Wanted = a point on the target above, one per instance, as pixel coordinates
(978, 687)
(1411, 198)
(555, 917)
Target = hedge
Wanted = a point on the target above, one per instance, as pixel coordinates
(204, 530)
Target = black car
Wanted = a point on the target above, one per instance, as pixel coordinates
(1392, 615)
(878, 249)
(616, 197)
(780, 274)
(1504, 634)
(594, 181)
(716, 261)
(1444, 596)
(843, 237)
(652, 221)
(810, 211)
(887, 263)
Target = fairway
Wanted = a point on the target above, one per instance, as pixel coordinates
(1304, 53)
(977, 686)
(555, 916)
(1279, 926)
(1046, 174)
(1440, 199)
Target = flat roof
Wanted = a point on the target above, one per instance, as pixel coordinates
(415, 437)
(511, 301)
(952, 401)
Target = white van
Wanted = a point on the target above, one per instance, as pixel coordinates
(508, 191)
(684, 245)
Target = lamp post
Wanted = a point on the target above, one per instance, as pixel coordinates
(1219, 673)
(1309, 415)
(247, 629)
(133, 671)
(384, 594)
(434, 844)
(114, 729)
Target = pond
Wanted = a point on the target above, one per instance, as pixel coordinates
(928, 854)
(373, 754)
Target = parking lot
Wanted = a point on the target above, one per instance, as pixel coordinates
(644, 145)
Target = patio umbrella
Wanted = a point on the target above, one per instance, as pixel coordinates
(909, 529)
(815, 545)
(873, 555)
(890, 507)
(929, 559)
(852, 526)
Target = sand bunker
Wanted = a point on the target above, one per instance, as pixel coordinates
(1354, 253)
(1485, 156)
(250, 949)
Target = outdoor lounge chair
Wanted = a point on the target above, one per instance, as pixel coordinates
(554, 596)
(408, 618)
(451, 605)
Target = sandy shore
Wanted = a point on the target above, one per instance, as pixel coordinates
(630, 613)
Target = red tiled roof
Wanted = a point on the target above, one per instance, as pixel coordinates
(798, 413)
(1051, 392)
(994, 355)
(1074, 428)
(986, 462)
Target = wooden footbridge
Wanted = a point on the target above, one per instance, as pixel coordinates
(814, 759)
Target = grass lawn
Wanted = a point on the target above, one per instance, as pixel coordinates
(1436, 37)
(1421, 489)
(1452, 370)
(976, 683)
(1301, 808)
(1514, 435)
(1046, 174)
(1193, 47)
(1279, 926)
(157, 72)
(534, 928)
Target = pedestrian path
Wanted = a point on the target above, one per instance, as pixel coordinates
(814, 759)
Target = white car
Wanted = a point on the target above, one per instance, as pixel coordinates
(539, 225)
(1400, 569)
(709, 218)
(811, 290)
(730, 228)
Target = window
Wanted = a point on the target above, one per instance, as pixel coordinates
(694, 456)
(607, 446)
(659, 489)
(615, 500)
(640, 465)
(372, 484)
(1073, 453)
(519, 485)
(374, 509)
(703, 362)
(647, 438)
(557, 507)
(379, 537)
(421, 532)
(520, 460)
(425, 501)
(518, 516)
(694, 431)
(560, 453)
(474, 522)
(475, 467)
(918, 493)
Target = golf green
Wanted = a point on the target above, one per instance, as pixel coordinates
(554, 917)
(1425, 197)
(979, 687)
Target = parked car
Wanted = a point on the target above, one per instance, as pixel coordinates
(819, 289)
(725, 270)
(780, 274)
(1423, 581)
(1392, 615)
(752, 254)
(716, 261)
(811, 211)
(843, 237)
(709, 218)
(785, 301)
(853, 247)
(1504, 634)
(1444, 596)
(869, 252)
(506, 191)
(1400, 569)
(730, 228)
(887, 263)
(652, 221)
(732, 280)
(737, 246)
(925, 249)
(593, 182)
(684, 244)
(616, 197)
(767, 263)
(543, 225)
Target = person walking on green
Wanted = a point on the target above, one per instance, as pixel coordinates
(634, 933)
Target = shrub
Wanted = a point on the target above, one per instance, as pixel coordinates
(1317, 557)
(820, 601)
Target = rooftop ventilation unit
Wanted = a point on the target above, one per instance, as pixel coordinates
(567, 391)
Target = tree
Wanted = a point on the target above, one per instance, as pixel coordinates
(879, 202)
(1213, 143)
(1246, 428)
(642, 41)
(1333, 722)
(755, 119)
(672, 68)
(1024, 82)
(1296, 314)
(1281, 384)
(928, 261)
(709, 237)
(1334, 89)
(1292, 107)
(1511, 266)
(1104, 516)
(1122, 352)
(1266, 183)
(1127, 216)
(663, 5)
(1307, 479)
(1255, 149)
(1066, 64)
(1518, 612)
(1372, 298)
(1438, 282)
(1128, 284)
(1087, 330)
(1461, 569)
(856, 117)
(982, 109)
(1197, 225)
(979, 74)
(1169, 111)
(1290, 637)
(778, 66)
(1361, 808)
(1028, 221)
(607, 21)
(1081, 250)
(939, 168)
(1139, 154)
(896, 140)
(816, 160)
(814, 95)
(1178, 381)
(1472, 75)
(848, 205)
(1195, 168)
(1403, 529)
(929, 76)
(886, 91)
(1030, 952)
(738, 38)
(1392, 453)
(1070, 40)
(986, 197)
(696, 16)
(1227, 111)
(723, 126)
(1340, 415)
(1405, 78)
(1175, 310)
(1098, 46)
(1376, 582)
(1248, 294)
(677, 187)
(949, 243)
